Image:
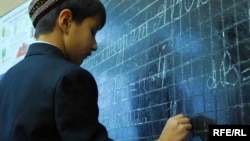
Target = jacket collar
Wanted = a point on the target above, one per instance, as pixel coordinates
(43, 48)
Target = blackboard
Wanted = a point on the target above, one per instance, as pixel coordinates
(158, 58)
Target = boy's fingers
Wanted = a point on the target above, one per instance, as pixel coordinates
(188, 126)
(184, 120)
(179, 116)
(181, 119)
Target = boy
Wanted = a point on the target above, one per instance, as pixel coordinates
(47, 96)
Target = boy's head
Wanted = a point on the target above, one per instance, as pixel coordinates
(44, 13)
(70, 25)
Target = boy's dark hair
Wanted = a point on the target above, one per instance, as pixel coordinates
(81, 9)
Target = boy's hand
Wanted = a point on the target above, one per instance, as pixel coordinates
(177, 128)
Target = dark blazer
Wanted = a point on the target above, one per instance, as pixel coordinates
(1, 76)
(45, 97)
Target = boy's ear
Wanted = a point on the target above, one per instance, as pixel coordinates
(64, 20)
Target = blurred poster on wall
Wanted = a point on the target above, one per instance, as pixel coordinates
(16, 33)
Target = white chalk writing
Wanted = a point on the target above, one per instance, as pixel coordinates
(176, 9)
(222, 74)
(246, 78)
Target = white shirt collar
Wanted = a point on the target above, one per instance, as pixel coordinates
(42, 42)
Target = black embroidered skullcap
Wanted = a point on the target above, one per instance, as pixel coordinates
(38, 8)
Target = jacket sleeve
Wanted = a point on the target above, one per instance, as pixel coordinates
(76, 109)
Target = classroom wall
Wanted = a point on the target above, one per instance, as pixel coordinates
(16, 33)
(8, 5)
(158, 58)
